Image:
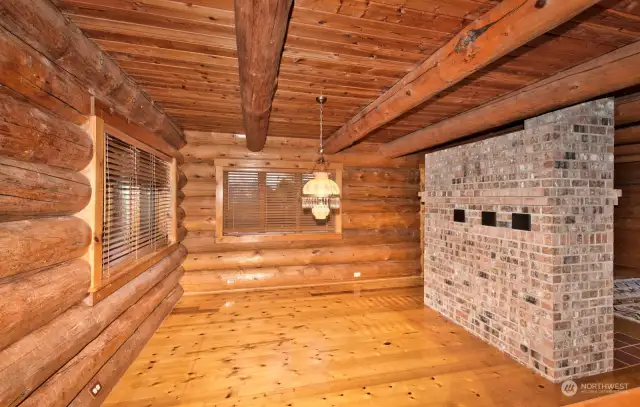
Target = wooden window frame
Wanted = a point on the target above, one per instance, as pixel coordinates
(230, 164)
(101, 288)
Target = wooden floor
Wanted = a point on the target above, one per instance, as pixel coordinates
(373, 345)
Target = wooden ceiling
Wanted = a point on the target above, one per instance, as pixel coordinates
(183, 53)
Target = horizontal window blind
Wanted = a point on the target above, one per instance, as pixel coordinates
(267, 202)
(137, 204)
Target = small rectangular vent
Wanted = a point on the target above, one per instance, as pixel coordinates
(488, 218)
(459, 215)
(521, 221)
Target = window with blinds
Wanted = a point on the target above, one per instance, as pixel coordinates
(268, 202)
(137, 204)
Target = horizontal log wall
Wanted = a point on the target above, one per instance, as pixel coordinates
(62, 387)
(627, 215)
(34, 190)
(116, 366)
(51, 342)
(380, 221)
(30, 361)
(37, 243)
(35, 299)
(31, 134)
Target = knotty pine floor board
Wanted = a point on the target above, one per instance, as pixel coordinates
(339, 345)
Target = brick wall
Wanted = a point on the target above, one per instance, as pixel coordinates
(543, 295)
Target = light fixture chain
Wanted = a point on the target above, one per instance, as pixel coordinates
(321, 119)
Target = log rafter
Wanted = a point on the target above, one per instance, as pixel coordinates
(608, 73)
(507, 26)
(261, 26)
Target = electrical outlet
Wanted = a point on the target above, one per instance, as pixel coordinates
(356, 274)
(231, 281)
(95, 390)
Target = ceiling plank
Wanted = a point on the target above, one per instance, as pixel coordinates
(261, 26)
(507, 26)
(351, 51)
(608, 73)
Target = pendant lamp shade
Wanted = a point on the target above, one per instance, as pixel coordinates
(321, 186)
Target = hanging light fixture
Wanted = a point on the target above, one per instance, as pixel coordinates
(321, 194)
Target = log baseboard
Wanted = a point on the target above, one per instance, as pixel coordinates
(295, 257)
(218, 280)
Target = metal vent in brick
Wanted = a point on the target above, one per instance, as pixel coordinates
(521, 221)
(489, 218)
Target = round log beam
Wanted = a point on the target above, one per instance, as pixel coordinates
(28, 362)
(60, 389)
(34, 299)
(38, 243)
(214, 280)
(296, 257)
(28, 133)
(37, 190)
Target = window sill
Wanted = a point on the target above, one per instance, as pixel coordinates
(285, 237)
(127, 272)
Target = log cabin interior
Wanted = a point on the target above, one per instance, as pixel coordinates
(319, 203)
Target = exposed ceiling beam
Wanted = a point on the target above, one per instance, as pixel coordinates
(509, 25)
(41, 25)
(608, 73)
(261, 26)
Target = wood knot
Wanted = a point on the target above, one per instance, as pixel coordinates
(467, 40)
(541, 3)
